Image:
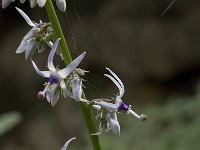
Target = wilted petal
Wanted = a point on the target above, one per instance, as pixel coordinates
(111, 118)
(41, 3)
(5, 3)
(108, 106)
(66, 71)
(41, 73)
(51, 55)
(33, 3)
(27, 19)
(30, 49)
(66, 93)
(61, 5)
(67, 143)
(22, 47)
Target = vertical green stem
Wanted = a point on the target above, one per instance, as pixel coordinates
(67, 59)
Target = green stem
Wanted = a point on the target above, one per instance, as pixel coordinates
(67, 59)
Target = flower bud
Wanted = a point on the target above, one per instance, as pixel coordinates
(40, 95)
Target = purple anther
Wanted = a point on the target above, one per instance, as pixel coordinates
(53, 79)
(123, 106)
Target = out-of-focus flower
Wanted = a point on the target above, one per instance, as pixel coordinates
(36, 38)
(41, 3)
(112, 107)
(56, 83)
(5, 3)
(67, 143)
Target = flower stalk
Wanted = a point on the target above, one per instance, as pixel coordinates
(67, 59)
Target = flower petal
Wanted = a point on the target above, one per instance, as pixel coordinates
(5, 3)
(118, 79)
(61, 5)
(53, 94)
(51, 55)
(41, 3)
(111, 118)
(76, 88)
(41, 73)
(30, 49)
(108, 106)
(27, 19)
(66, 71)
(67, 143)
(117, 84)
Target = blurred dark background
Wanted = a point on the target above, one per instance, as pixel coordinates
(153, 46)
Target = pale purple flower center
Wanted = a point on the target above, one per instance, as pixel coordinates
(53, 79)
(123, 106)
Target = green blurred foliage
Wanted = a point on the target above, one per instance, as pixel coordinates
(8, 121)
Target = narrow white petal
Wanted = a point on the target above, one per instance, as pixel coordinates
(22, 1)
(61, 5)
(27, 19)
(66, 71)
(41, 3)
(66, 93)
(41, 73)
(67, 143)
(5, 3)
(108, 106)
(51, 55)
(117, 78)
(111, 118)
(117, 84)
(33, 3)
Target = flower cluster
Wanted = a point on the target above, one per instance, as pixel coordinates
(67, 81)
(60, 3)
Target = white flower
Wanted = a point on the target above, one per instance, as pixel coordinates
(115, 106)
(41, 32)
(41, 3)
(67, 143)
(60, 3)
(56, 82)
(28, 43)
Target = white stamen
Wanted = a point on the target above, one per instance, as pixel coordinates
(140, 117)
